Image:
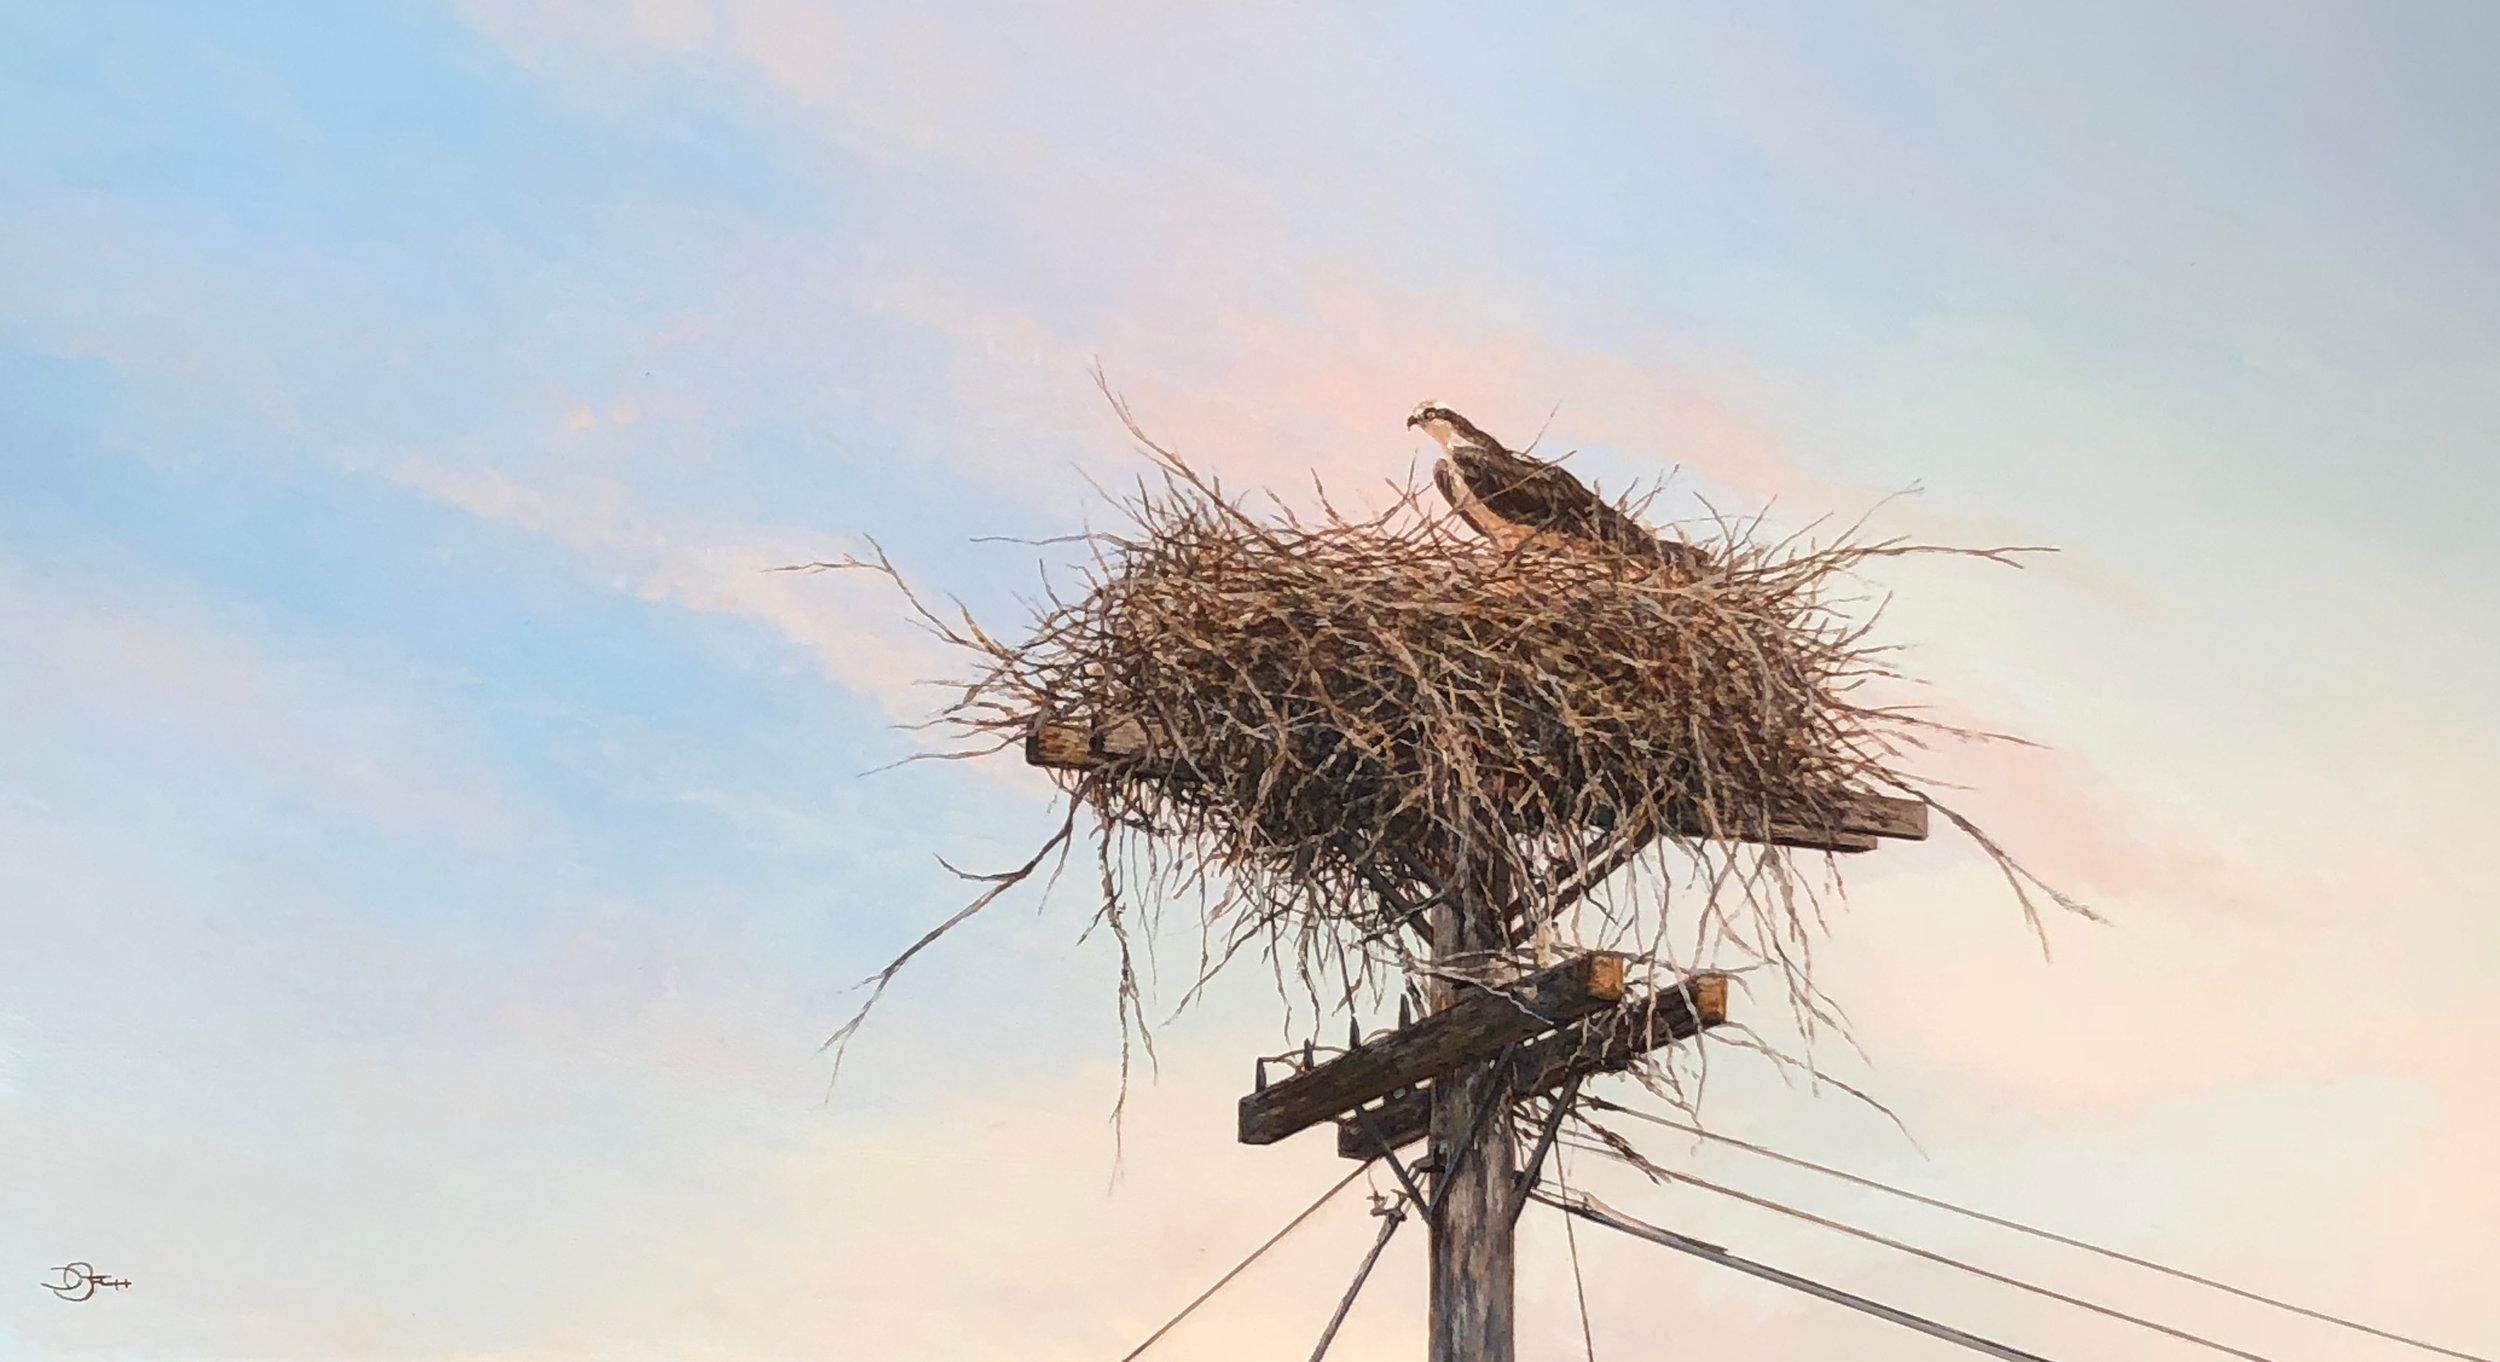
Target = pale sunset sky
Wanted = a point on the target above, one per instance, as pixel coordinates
(433, 846)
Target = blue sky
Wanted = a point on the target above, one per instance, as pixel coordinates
(429, 825)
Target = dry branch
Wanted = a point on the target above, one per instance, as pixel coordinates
(1303, 731)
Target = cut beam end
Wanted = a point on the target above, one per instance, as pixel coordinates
(1060, 744)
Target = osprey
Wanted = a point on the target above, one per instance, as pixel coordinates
(1512, 499)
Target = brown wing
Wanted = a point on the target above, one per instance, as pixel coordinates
(1462, 498)
(1613, 527)
(1540, 496)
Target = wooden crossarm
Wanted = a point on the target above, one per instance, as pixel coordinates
(1082, 744)
(1475, 1027)
(1857, 820)
(1845, 836)
(1605, 1042)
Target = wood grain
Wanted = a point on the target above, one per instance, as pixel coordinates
(1605, 1042)
(1474, 1027)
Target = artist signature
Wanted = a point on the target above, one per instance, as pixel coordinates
(79, 1281)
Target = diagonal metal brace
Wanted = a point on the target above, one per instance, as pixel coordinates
(1544, 1145)
(1406, 1179)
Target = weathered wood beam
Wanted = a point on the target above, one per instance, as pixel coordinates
(1079, 744)
(1060, 745)
(1475, 1027)
(1857, 820)
(1845, 835)
(1605, 1042)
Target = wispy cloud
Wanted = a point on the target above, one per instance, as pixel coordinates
(852, 623)
(670, 293)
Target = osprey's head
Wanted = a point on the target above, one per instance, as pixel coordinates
(1447, 428)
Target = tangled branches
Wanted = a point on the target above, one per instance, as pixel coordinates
(1335, 723)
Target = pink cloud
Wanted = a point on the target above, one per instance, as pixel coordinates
(1267, 396)
(1240, 346)
(2084, 830)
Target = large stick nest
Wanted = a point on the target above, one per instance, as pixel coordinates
(1354, 718)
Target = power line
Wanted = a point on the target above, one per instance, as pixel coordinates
(1238, 1268)
(1973, 1268)
(1392, 1217)
(1579, 1286)
(1590, 1209)
(2036, 1232)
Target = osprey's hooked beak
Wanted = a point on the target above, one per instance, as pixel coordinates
(1414, 421)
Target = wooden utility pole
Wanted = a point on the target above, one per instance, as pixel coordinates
(1473, 1246)
(1454, 1074)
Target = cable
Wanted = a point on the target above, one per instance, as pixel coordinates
(1974, 1269)
(1393, 1216)
(1238, 1268)
(1590, 1209)
(1571, 1238)
(2036, 1232)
